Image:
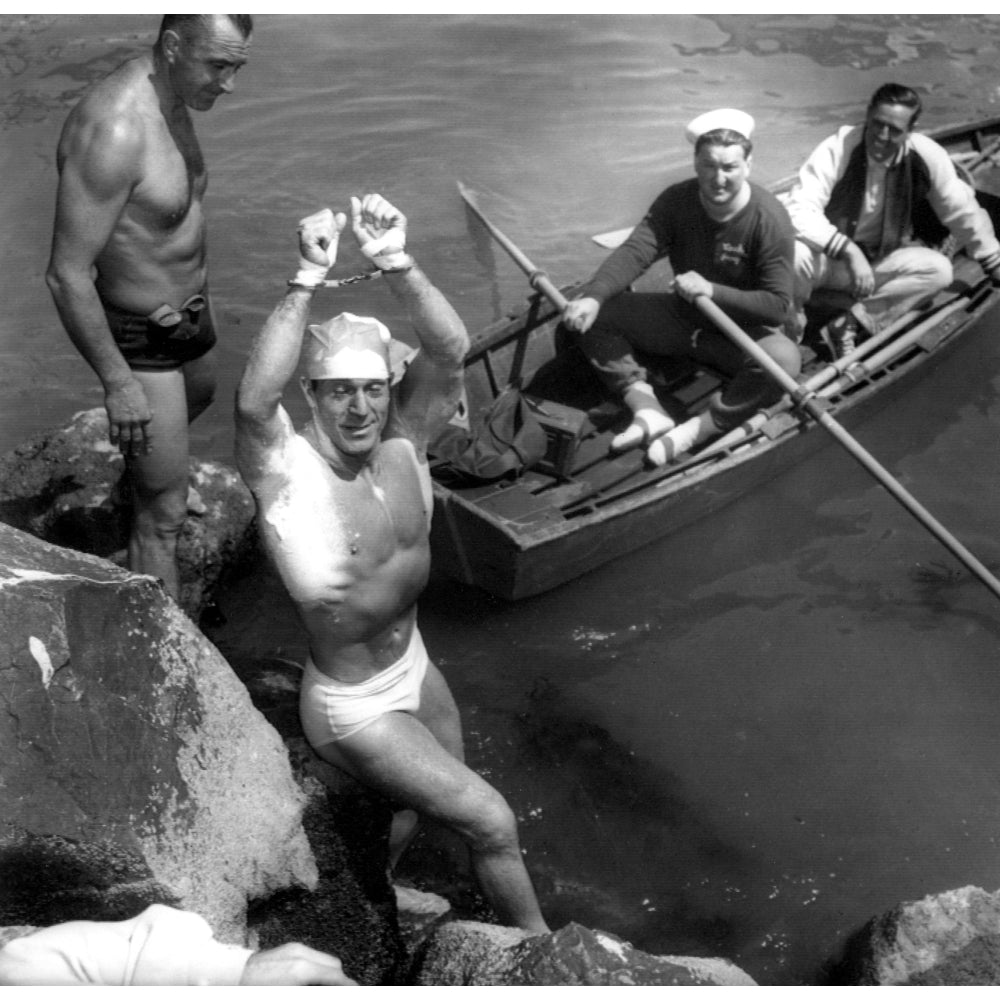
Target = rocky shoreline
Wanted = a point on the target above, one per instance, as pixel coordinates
(139, 766)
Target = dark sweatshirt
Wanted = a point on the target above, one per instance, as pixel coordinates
(749, 259)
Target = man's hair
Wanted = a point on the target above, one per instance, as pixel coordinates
(188, 25)
(724, 137)
(896, 93)
(315, 383)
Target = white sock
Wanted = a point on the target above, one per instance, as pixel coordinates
(646, 425)
(680, 440)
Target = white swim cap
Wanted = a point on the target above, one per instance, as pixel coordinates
(721, 118)
(350, 347)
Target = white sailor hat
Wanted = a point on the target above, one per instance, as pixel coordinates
(720, 118)
(354, 347)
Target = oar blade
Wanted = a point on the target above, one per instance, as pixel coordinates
(613, 239)
(537, 278)
(468, 195)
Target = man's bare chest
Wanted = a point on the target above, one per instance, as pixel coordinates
(374, 514)
(381, 512)
(173, 179)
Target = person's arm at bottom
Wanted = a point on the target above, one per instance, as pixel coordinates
(294, 964)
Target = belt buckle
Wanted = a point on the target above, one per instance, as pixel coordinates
(168, 318)
(193, 308)
(165, 316)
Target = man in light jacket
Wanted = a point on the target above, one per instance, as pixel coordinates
(872, 203)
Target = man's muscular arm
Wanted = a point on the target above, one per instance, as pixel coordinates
(431, 389)
(274, 354)
(97, 173)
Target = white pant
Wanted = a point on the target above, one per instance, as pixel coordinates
(902, 279)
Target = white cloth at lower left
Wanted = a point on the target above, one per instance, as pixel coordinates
(160, 947)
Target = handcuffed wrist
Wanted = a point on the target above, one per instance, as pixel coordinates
(394, 263)
(309, 275)
(307, 281)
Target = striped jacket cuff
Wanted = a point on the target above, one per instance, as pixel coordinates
(836, 245)
(990, 261)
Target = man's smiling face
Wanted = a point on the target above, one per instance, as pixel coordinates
(722, 172)
(886, 129)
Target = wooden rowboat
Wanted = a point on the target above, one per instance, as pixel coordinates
(580, 506)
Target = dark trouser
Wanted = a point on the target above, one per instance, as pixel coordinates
(663, 324)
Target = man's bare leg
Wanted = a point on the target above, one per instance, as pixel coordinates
(404, 828)
(199, 391)
(159, 481)
(199, 384)
(439, 713)
(400, 757)
(199, 387)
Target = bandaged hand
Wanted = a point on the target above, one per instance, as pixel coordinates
(319, 235)
(380, 229)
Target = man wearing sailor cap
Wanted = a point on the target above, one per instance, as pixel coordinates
(344, 509)
(725, 238)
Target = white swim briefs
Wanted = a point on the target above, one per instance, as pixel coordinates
(331, 710)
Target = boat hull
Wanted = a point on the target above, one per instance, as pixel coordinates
(522, 538)
(506, 560)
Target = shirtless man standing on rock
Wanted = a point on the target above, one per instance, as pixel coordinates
(128, 270)
(344, 509)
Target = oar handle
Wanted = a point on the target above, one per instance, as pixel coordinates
(540, 281)
(806, 399)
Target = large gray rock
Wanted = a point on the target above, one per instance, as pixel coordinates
(464, 953)
(948, 939)
(60, 487)
(133, 766)
(420, 914)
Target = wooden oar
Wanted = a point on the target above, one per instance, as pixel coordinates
(831, 379)
(864, 366)
(975, 159)
(806, 401)
(537, 278)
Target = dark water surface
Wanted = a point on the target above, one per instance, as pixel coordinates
(742, 741)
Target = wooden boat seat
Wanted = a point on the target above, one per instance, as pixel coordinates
(514, 503)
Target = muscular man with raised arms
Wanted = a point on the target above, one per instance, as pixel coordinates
(344, 508)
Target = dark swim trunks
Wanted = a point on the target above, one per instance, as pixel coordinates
(167, 338)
